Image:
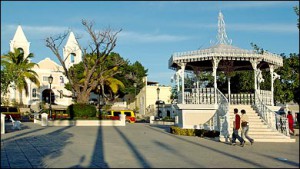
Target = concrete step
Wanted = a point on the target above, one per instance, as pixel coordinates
(249, 115)
(277, 140)
(250, 119)
(268, 140)
(261, 130)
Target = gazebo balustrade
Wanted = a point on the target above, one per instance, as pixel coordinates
(207, 96)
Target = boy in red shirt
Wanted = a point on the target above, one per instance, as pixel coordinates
(236, 127)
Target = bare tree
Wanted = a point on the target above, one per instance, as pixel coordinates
(102, 43)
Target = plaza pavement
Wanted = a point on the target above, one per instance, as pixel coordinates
(139, 145)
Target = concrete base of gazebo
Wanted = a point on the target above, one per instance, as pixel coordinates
(193, 116)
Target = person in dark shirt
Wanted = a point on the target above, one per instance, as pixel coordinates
(236, 127)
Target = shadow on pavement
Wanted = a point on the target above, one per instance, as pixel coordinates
(21, 151)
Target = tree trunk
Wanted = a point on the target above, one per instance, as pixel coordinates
(21, 98)
(83, 97)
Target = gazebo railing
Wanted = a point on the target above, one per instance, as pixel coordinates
(272, 119)
(265, 96)
(223, 114)
(220, 121)
(207, 96)
(198, 96)
(241, 98)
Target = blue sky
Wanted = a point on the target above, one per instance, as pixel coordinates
(153, 30)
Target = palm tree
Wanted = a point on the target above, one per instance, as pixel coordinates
(20, 68)
(114, 85)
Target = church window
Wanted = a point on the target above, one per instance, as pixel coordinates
(45, 78)
(21, 50)
(61, 94)
(72, 57)
(61, 79)
(34, 92)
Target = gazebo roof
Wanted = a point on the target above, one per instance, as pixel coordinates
(223, 51)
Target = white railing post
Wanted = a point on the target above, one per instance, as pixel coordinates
(3, 123)
(35, 117)
(44, 119)
(151, 119)
(176, 120)
(123, 119)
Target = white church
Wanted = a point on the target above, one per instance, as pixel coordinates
(46, 67)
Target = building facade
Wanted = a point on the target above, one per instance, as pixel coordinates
(146, 99)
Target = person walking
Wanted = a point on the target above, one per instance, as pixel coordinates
(291, 121)
(236, 127)
(245, 126)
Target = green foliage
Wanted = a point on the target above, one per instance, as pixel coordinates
(14, 103)
(296, 9)
(193, 132)
(5, 102)
(287, 87)
(81, 110)
(130, 74)
(167, 118)
(16, 68)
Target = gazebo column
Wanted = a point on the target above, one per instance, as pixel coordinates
(215, 63)
(260, 78)
(274, 76)
(254, 65)
(272, 84)
(178, 88)
(229, 92)
(177, 75)
(182, 81)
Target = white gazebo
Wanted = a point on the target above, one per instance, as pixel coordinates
(208, 107)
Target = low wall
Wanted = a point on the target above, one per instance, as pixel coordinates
(43, 122)
(159, 122)
(83, 123)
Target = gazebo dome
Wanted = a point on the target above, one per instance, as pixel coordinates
(223, 51)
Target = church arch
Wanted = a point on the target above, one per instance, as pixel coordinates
(46, 95)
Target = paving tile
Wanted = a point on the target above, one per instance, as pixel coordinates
(5, 166)
(38, 166)
(24, 165)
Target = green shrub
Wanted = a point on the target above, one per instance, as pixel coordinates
(193, 132)
(81, 110)
(169, 119)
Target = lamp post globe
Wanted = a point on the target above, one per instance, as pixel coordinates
(50, 80)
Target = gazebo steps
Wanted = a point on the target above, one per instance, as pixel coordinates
(258, 130)
(266, 140)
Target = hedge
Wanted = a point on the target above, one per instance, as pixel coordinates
(81, 110)
(193, 132)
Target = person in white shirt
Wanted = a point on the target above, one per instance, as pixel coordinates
(245, 126)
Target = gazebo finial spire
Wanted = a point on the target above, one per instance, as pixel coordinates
(222, 36)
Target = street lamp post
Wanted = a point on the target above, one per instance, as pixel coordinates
(50, 80)
(158, 102)
(135, 85)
